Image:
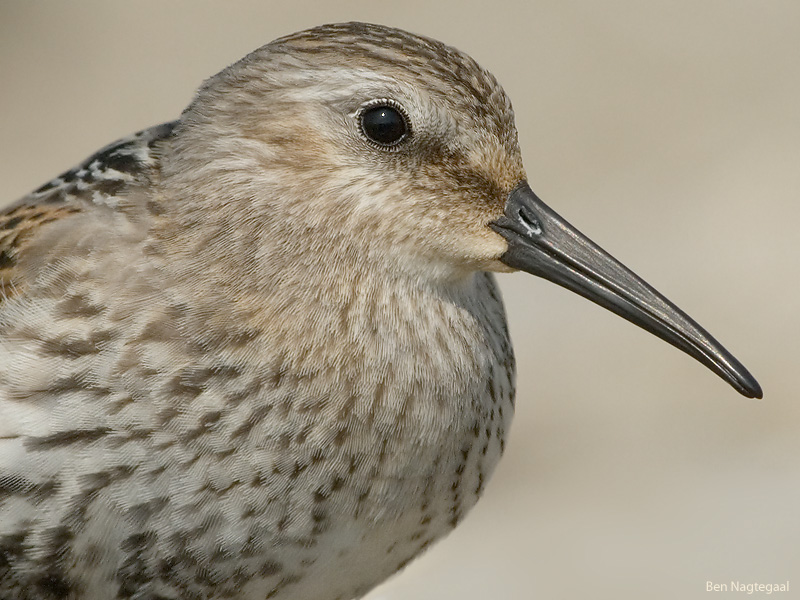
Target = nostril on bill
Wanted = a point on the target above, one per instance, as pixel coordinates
(530, 223)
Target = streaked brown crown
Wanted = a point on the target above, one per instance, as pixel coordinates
(435, 66)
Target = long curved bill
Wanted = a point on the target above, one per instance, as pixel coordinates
(542, 243)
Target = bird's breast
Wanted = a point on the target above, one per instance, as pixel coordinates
(334, 445)
(386, 441)
(395, 402)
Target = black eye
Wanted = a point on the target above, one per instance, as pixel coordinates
(384, 124)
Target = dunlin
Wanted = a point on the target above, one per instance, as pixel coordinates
(258, 352)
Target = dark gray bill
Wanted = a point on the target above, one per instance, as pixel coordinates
(542, 243)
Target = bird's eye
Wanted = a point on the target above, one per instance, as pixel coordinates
(384, 124)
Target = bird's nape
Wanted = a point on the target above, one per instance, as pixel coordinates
(541, 242)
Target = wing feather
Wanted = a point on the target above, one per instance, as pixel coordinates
(98, 181)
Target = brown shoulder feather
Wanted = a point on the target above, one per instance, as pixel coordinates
(98, 180)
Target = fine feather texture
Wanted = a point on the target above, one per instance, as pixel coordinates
(248, 354)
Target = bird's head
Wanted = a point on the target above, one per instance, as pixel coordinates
(363, 144)
(387, 145)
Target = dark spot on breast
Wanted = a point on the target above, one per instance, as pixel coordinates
(93, 482)
(353, 464)
(207, 423)
(154, 208)
(53, 587)
(12, 547)
(134, 573)
(185, 389)
(465, 452)
(417, 535)
(54, 584)
(16, 485)
(78, 306)
(302, 435)
(341, 435)
(479, 488)
(297, 469)
(66, 438)
(80, 382)
(75, 348)
(270, 568)
(347, 407)
(138, 542)
(143, 512)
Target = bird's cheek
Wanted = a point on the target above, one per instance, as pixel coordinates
(482, 250)
(492, 247)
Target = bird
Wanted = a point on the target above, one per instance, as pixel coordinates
(259, 352)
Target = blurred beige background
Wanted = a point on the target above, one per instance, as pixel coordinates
(669, 131)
